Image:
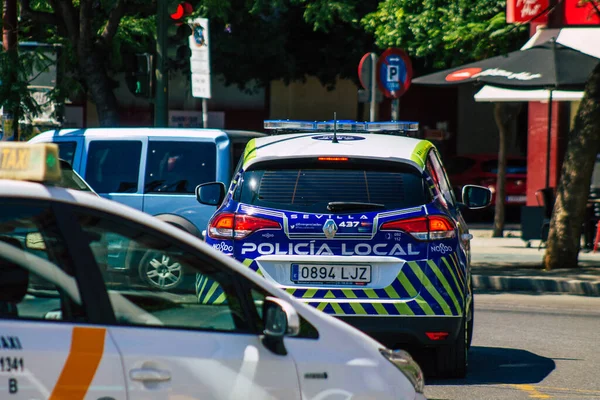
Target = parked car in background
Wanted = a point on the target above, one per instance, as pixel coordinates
(482, 169)
(155, 170)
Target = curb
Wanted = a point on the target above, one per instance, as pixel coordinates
(535, 285)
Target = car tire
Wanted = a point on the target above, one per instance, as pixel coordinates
(471, 322)
(160, 272)
(451, 360)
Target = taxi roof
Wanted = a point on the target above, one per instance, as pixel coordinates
(359, 145)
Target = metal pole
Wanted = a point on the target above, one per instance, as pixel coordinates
(395, 109)
(549, 139)
(204, 113)
(373, 86)
(161, 104)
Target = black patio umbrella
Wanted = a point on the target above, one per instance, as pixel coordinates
(549, 66)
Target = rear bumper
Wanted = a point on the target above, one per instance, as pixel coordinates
(397, 332)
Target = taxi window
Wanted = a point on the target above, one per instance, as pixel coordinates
(41, 286)
(152, 281)
(178, 167)
(113, 166)
(310, 189)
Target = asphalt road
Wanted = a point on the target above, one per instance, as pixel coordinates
(530, 347)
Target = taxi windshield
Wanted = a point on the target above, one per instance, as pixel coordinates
(70, 179)
(312, 188)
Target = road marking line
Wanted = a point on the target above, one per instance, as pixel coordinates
(87, 347)
(532, 391)
(561, 389)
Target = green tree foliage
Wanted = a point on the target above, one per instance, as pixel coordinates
(445, 33)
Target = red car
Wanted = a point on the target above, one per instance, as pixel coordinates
(481, 169)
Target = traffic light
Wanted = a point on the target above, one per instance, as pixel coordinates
(139, 75)
(179, 31)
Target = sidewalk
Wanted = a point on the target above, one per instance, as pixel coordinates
(507, 265)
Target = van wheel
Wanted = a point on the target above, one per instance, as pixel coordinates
(160, 271)
(451, 360)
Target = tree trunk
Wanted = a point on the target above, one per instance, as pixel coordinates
(100, 88)
(9, 42)
(573, 190)
(504, 115)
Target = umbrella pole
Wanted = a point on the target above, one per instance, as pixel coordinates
(549, 140)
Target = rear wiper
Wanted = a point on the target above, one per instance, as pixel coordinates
(350, 205)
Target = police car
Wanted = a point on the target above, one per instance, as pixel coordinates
(358, 220)
(70, 329)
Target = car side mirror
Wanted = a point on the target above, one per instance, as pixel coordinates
(211, 193)
(280, 319)
(476, 197)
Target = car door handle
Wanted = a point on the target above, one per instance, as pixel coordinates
(149, 375)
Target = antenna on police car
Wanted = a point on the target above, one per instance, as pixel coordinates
(334, 128)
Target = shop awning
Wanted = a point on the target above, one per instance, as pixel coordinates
(493, 94)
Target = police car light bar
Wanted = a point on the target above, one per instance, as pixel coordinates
(341, 126)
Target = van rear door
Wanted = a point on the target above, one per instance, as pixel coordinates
(174, 167)
(114, 168)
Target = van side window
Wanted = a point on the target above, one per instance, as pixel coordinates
(178, 167)
(113, 166)
(66, 151)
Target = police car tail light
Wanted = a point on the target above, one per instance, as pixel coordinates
(238, 226)
(441, 228)
(423, 228)
(247, 224)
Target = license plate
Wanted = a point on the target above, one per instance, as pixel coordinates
(331, 274)
(516, 199)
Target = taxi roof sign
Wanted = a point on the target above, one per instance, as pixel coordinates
(29, 162)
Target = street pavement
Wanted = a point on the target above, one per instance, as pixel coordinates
(508, 265)
(529, 346)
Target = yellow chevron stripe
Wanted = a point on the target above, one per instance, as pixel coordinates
(371, 293)
(403, 309)
(338, 310)
(457, 268)
(380, 309)
(220, 299)
(462, 294)
(391, 292)
(434, 293)
(329, 295)
(247, 262)
(412, 292)
(203, 285)
(290, 291)
(321, 306)
(358, 308)
(310, 293)
(212, 290)
(349, 293)
(445, 284)
(424, 306)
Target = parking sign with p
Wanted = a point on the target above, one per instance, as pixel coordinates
(394, 73)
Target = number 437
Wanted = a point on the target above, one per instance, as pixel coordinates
(349, 224)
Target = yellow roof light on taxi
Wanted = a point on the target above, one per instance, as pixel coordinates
(29, 162)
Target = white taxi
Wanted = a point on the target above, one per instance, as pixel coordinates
(72, 327)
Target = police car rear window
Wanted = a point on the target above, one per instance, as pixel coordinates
(312, 189)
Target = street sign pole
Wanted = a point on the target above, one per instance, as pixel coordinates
(395, 109)
(373, 86)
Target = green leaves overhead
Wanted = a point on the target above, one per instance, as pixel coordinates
(445, 33)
